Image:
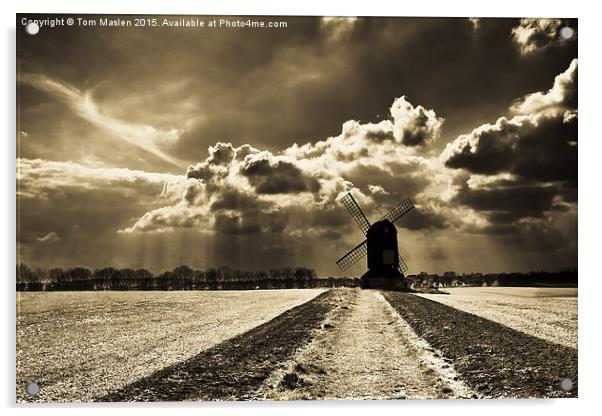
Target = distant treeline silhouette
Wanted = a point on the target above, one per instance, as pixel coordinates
(224, 278)
(567, 278)
(181, 278)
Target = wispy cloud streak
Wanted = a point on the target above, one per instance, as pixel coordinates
(143, 136)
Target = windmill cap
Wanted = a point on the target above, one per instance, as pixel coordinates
(382, 226)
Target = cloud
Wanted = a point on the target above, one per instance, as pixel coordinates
(563, 94)
(338, 28)
(38, 178)
(414, 126)
(507, 203)
(520, 173)
(475, 21)
(532, 35)
(242, 190)
(143, 136)
(273, 175)
(68, 198)
(170, 217)
(538, 146)
(51, 237)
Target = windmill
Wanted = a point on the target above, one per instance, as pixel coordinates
(386, 268)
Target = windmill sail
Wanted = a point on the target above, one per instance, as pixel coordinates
(403, 267)
(353, 256)
(399, 210)
(356, 212)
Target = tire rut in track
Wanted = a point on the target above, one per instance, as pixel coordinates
(237, 367)
(494, 360)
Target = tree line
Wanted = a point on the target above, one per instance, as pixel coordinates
(224, 278)
(566, 278)
(180, 278)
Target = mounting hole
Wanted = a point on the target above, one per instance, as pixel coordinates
(567, 32)
(566, 384)
(32, 388)
(32, 28)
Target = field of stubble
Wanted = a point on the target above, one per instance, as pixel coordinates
(79, 345)
(547, 313)
(296, 344)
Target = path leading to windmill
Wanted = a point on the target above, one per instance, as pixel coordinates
(341, 344)
(365, 351)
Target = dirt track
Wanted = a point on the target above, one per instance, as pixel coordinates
(365, 351)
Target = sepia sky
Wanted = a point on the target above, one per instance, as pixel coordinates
(156, 147)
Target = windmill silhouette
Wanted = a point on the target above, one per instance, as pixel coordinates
(386, 268)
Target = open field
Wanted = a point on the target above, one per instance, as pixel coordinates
(282, 344)
(78, 345)
(547, 313)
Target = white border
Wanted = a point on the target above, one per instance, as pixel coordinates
(590, 151)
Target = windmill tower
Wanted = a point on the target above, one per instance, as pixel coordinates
(386, 268)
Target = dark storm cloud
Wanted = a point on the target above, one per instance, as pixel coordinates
(379, 135)
(509, 204)
(236, 212)
(242, 213)
(541, 147)
(330, 218)
(233, 199)
(538, 144)
(277, 177)
(192, 194)
(399, 179)
(229, 224)
(520, 173)
(536, 237)
(423, 219)
(235, 225)
(216, 168)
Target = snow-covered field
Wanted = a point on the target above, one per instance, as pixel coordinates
(547, 313)
(78, 345)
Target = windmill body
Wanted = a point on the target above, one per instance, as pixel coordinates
(386, 268)
(383, 253)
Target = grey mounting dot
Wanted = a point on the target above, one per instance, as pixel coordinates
(566, 384)
(32, 388)
(566, 32)
(32, 28)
